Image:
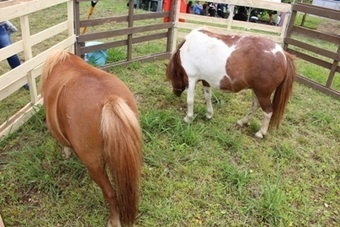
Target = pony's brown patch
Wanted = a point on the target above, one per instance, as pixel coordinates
(229, 40)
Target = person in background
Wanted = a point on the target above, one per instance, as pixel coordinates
(241, 14)
(222, 10)
(6, 28)
(189, 7)
(212, 8)
(271, 19)
(198, 8)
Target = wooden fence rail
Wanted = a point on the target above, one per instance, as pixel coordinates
(231, 26)
(30, 69)
(124, 32)
(310, 52)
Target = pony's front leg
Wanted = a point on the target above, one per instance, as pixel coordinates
(265, 124)
(207, 96)
(254, 106)
(190, 101)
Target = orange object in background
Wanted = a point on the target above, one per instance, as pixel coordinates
(166, 8)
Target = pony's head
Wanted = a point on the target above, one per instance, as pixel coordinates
(176, 74)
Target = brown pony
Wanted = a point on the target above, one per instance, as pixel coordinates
(233, 63)
(95, 114)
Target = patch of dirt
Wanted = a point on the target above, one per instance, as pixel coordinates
(332, 28)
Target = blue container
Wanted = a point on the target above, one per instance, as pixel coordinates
(98, 57)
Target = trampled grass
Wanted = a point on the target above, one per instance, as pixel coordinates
(206, 173)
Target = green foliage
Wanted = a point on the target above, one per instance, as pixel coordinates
(308, 21)
(235, 179)
(270, 206)
(116, 54)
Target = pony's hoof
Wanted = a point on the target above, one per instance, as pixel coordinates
(208, 116)
(259, 135)
(116, 224)
(187, 119)
(67, 152)
(240, 123)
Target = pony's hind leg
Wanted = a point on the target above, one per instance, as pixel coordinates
(265, 124)
(98, 174)
(254, 106)
(103, 182)
(207, 96)
(267, 108)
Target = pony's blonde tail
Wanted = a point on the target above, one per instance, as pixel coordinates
(283, 92)
(51, 61)
(122, 151)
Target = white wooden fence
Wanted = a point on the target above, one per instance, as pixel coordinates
(230, 26)
(30, 69)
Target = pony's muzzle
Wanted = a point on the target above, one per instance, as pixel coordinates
(177, 91)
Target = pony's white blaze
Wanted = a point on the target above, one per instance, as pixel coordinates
(204, 58)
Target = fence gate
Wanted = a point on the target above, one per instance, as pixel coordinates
(125, 33)
(311, 52)
(32, 44)
(228, 25)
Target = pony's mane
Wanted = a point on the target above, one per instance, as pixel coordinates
(51, 61)
(175, 71)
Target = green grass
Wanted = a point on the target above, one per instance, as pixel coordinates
(307, 21)
(317, 73)
(207, 173)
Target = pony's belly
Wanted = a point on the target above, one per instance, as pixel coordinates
(214, 80)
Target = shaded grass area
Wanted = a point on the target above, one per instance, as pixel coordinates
(207, 173)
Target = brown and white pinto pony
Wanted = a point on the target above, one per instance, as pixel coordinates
(95, 114)
(233, 63)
